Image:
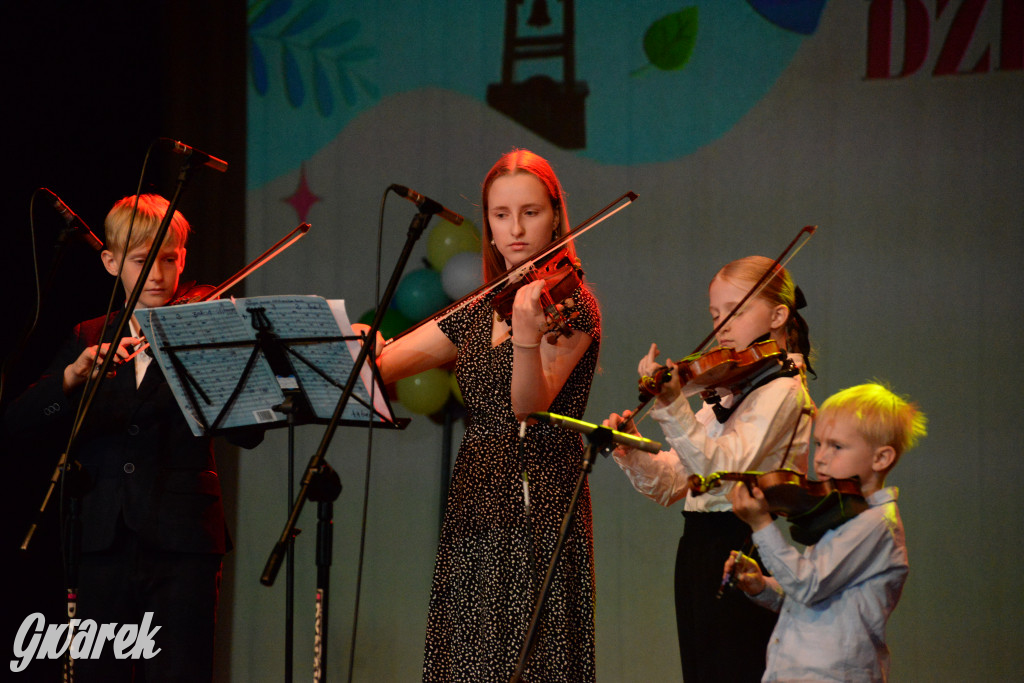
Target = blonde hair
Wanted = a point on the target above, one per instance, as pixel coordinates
(882, 417)
(151, 210)
(522, 161)
(779, 289)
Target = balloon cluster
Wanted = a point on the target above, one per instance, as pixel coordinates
(454, 269)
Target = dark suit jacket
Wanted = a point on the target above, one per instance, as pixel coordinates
(146, 466)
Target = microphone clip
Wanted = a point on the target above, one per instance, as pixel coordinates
(602, 439)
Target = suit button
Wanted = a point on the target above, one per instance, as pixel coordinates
(133, 430)
(129, 467)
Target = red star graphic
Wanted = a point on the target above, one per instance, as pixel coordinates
(302, 199)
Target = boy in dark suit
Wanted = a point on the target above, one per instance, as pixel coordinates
(152, 523)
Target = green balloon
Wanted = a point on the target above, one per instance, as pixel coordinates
(447, 239)
(456, 391)
(425, 393)
(391, 325)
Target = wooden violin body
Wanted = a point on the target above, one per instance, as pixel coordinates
(812, 507)
(719, 366)
(561, 275)
(191, 293)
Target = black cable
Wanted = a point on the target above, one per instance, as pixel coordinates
(369, 451)
(19, 346)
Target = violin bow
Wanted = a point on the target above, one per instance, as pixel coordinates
(730, 579)
(762, 282)
(524, 267)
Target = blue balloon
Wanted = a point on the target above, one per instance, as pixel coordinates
(420, 294)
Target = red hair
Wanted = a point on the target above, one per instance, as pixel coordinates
(521, 161)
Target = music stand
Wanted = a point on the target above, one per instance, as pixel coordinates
(263, 379)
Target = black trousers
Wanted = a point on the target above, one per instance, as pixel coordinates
(121, 584)
(720, 640)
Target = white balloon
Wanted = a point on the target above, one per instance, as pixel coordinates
(463, 273)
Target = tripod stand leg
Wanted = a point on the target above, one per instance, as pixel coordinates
(563, 533)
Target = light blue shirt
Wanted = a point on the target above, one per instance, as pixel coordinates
(834, 598)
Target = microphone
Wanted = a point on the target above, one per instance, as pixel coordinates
(200, 156)
(621, 438)
(75, 224)
(427, 205)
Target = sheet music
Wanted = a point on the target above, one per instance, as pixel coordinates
(298, 317)
(295, 319)
(217, 370)
(380, 403)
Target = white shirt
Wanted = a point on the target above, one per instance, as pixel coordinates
(142, 360)
(756, 436)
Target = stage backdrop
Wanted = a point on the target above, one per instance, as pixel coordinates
(896, 127)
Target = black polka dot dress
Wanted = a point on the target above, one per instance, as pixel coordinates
(492, 557)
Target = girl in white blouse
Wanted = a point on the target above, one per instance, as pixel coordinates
(766, 425)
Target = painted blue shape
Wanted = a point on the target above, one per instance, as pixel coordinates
(800, 16)
(267, 14)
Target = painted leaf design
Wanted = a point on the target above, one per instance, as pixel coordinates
(368, 87)
(292, 78)
(322, 91)
(359, 53)
(348, 88)
(309, 16)
(669, 42)
(269, 13)
(337, 36)
(258, 68)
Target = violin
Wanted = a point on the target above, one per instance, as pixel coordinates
(561, 275)
(191, 293)
(720, 366)
(812, 507)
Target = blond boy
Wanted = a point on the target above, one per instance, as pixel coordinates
(835, 598)
(152, 523)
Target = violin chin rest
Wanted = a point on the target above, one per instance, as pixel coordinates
(833, 511)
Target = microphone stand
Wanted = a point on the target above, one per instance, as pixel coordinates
(317, 462)
(77, 483)
(598, 441)
(43, 295)
(64, 465)
(325, 491)
(289, 408)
